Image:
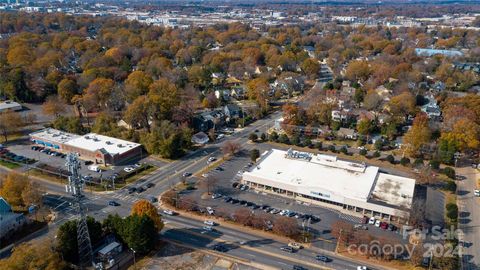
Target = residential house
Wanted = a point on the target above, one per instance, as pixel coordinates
(431, 108)
(9, 105)
(347, 133)
(200, 138)
(208, 120)
(340, 115)
(238, 92)
(223, 94)
(9, 221)
(384, 93)
(232, 111)
(310, 50)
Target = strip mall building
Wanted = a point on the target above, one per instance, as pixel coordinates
(94, 147)
(325, 180)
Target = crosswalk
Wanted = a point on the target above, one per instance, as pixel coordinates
(351, 218)
(126, 197)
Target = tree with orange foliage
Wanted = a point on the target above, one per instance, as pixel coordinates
(144, 207)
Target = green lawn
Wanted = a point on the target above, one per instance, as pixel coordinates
(9, 164)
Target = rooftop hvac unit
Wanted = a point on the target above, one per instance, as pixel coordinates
(119, 145)
(109, 142)
(87, 138)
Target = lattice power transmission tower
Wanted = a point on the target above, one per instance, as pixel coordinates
(75, 187)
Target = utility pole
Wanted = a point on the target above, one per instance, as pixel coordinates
(75, 187)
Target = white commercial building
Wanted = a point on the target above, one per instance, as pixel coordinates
(338, 184)
(9, 106)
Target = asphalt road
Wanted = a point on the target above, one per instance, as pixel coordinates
(469, 217)
(266, 252)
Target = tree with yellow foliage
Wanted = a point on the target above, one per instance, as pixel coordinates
(34, 256)
(418, 135)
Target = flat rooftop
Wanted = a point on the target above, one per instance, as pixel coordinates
(10, 105)
(54, 135)
(317, 172)
(311, 173)
(394, 190)
(90, 142)
(93, 142)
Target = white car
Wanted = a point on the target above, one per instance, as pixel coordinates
(209, 223)
(168, 212)
(220, 136)
(371, 221)
(207, 228)
(294, 245)
(205, 175)
(210, 210)
(211, 159)
(377, 223)
(128, 169)
(476, 193)
(362, 268)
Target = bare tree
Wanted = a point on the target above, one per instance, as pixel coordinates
(230, 148)
(187, 203)
(286, 226)
(209, 183)
(243, 216)
(260, 221)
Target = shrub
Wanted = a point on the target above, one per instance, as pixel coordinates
(418, 161)
(452, 211)
(319, 145)
(344, 150)
(405, 161)
(253, 137)
(451, 186)
(308, 143)
(363, 152)
(331, 148)
(263, 137)
(296, 141)
(378, 144)
(449, 172)
(390, 159)
(273, 136)
(284, 139)
(376, 154)
(434, 164)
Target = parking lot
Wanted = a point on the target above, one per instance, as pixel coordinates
(229, 196)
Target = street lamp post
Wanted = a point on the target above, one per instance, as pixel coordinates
(134, 262)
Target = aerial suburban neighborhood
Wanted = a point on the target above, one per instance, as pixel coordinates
(247, 134)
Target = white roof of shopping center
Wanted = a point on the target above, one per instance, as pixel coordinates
(54, 135)
(324, 173)
(93, 142)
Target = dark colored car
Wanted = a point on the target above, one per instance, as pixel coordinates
(113, 203)
(140, 189)
(227, 199)
(131, 190)
(234, 185)
(220, 248)
(88, 162)
(323, 258)
(149, 185)
(299, 267)
(219, 169)
(392, 227)
(234, 201)
(243, 202)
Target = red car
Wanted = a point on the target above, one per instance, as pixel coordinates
(384, 225)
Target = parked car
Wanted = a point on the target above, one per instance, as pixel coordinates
(377, 223)
(140, 189)
(371, 221)
(384, 225)
(323, 258)
(211, 159)
(128, 169)
(210, 210)
(476, 193)
(235, 184)
(186, 174)
(227, 199)
(234, 201)
(364, 220)
(216, 195)
(392, 227)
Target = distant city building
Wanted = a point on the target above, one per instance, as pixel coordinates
(95, 147)
(432, 52)
(325, 180)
